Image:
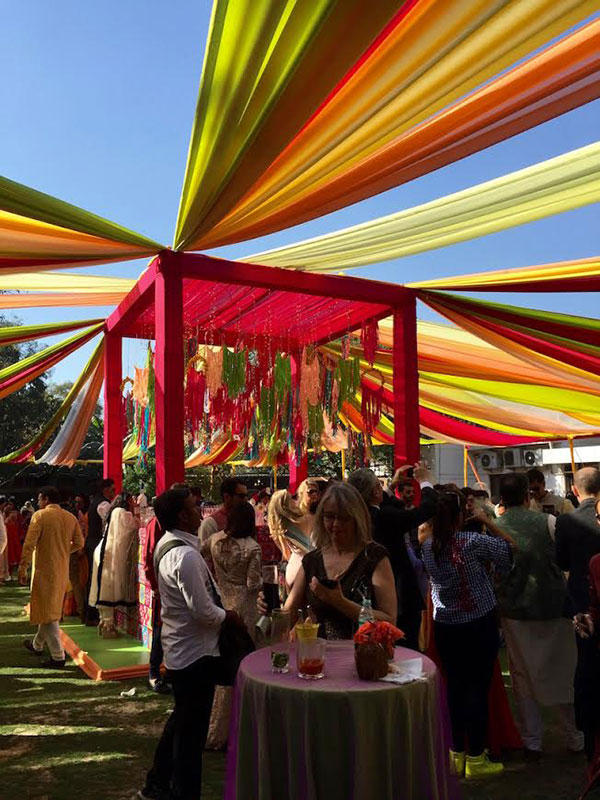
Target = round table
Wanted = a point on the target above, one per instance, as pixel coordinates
(339, 737)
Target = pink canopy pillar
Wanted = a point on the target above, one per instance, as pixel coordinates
(113, 434)
(169, 372)
(406, 384)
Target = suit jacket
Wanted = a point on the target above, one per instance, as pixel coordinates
(577, 541)
(390, 522)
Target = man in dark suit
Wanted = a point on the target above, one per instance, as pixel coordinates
(577, 542)
(391, 521)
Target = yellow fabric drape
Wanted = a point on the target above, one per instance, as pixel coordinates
(267, 68)
(503, 279)
(560, 184)
(65, 282)
(377, 131)
(38, 231)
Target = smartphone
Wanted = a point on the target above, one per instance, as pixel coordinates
(328, 583)
(410, 473)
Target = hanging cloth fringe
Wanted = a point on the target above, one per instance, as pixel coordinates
(372, 398)
(369, 338)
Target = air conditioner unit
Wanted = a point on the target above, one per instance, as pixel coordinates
(490, 459)
(533, 458)
(511, 457)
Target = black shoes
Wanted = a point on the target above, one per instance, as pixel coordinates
(28, 645)
(53, 663)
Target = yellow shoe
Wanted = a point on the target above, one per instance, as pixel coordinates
(457, 763)
(480, 768)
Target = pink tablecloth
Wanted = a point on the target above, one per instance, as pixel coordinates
(336, 738)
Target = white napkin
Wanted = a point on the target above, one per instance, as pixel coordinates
(406, 671)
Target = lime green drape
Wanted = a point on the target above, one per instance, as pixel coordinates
(24, 333)
(18, 374)
(26, 202)
(560, 184)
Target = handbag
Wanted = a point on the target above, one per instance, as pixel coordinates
(235, 643)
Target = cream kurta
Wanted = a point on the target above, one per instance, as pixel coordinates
(52, 536)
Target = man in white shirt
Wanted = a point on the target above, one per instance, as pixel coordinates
(191, 621)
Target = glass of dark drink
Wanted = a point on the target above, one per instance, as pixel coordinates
(271, 586)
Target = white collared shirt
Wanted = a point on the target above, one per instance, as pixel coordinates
(191, 619)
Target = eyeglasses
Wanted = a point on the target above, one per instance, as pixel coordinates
(343, 518)
(241, 494)
(313, 491)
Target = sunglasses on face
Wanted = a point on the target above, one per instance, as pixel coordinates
(313, 491)
(241, 494)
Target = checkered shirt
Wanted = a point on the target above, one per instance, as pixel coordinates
(461, 588)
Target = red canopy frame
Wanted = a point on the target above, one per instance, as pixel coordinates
(173, 292)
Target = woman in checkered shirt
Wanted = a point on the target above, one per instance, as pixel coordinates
(465, 628)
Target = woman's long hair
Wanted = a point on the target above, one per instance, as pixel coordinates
(304, 500)
(121, 501)
(447, 520)
(281, 511)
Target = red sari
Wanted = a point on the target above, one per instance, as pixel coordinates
(15, 533)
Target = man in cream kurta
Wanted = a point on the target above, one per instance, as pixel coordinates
(52, 536)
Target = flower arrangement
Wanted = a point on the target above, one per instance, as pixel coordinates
(383, 633)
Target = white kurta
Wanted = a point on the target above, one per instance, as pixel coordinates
(113, 562)
(542, 656)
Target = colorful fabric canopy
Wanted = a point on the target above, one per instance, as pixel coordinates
(560, 184)
(534, 343)
(377, 131)
(17, 375)
(94, 367)
(267, 68)
(38, 232)
(575, 341)
(568, 276)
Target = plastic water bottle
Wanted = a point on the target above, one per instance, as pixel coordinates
(366, 612)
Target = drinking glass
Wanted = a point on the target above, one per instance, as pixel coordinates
(280, 640)
(310, 658)
(270, 579)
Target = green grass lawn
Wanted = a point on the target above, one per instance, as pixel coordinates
(63, 737)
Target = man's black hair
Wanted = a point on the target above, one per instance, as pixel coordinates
(107, 483)
(168, 506)
(229, 485)
(514, 489)
(51, 494)
(536, 476)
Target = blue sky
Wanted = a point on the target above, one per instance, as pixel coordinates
(98, 101)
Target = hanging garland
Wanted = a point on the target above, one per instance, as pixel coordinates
(234, 371)
(372, 399)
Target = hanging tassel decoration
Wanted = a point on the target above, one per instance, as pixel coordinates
(369, 339)
(372, 399)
